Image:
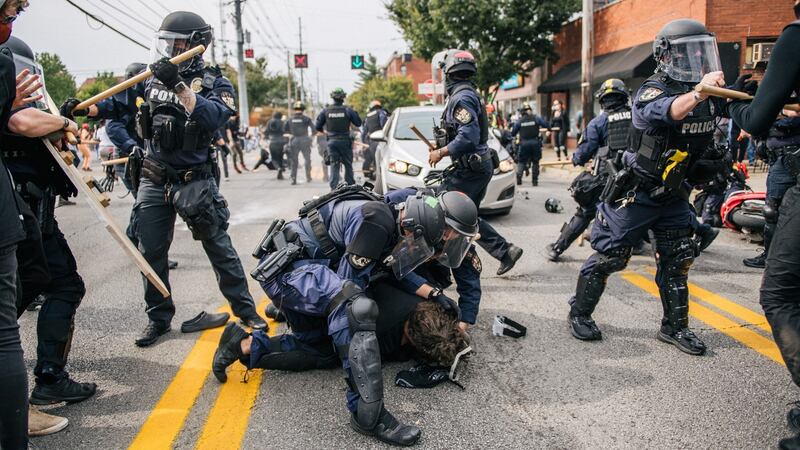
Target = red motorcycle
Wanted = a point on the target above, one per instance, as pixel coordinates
(744, 211)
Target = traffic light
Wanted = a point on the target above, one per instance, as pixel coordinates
(249, 53)
(357, 62)
(301, 61)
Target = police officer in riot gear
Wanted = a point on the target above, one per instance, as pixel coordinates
(316, 268)
(183, 107)
(335, 120)
(299, 126)
(462, 137)
(530, 143)
(375, 120)
(671, 150)
(780, 288)
(605, 138)
(277, 142)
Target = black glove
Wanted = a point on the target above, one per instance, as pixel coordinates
(422, 376)
(165, 72)
(68, 109)
(447, 303)
(743, 85)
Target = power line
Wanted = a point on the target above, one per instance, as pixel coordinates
(266, 16)
(97, 19)
(138, 19)
(118, 20)
(158, 14)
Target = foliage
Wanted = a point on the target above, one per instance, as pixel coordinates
(371, 71)
(102, 81)
(392, 92)
(60, 84)
(506, 36)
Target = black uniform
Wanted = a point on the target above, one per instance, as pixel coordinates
(374, 121)
(299, 126)
(277, 142)
(530, 144)
(335, 120)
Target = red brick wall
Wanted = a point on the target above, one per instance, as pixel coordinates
(738, 20)
(418, 69)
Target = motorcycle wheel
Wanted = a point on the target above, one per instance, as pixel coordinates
(744, 220)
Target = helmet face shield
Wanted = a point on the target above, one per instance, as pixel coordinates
(409, 253)
(691, 57)
(170, 44)
(454, 248)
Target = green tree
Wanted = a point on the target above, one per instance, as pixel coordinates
(370, 71)
(506, 36)
(102, 81)
(60, 84)
(393, 92)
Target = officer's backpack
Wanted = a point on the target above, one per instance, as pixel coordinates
(343, 192)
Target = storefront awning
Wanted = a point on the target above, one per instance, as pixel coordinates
(633, 62)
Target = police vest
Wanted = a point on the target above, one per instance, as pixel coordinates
(483, 121)
(528, 127)
(176, 140)
(691, 136)
(298, 125)
(619, 124)
(373, 121)
(336, 119)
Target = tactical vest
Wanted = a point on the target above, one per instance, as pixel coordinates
(176, 140)
(528, 127)
(659, 148)
(373, 121)
(298, 126)
(619, 124)
(483, 121)
(275, 129)
(336, 120)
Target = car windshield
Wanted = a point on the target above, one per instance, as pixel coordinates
(423, 120)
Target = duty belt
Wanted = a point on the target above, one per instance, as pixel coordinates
(464, 161)
(162, 173)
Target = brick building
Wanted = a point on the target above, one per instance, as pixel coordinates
(405, 64)
(624, 32)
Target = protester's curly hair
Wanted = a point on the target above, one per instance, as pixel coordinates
(435, 334)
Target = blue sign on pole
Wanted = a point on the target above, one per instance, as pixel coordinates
(513, 82)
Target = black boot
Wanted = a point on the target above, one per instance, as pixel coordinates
(172, 264)
(57, 388)
(793, 418)
(389, 430)
(294, 181)
(675, 324)
(510, 259)
(553, 252)
(272, 312)
(280, 174)
(792, 443)
(255, 322)
(229, 350)
(757, 262)
(519, 180)
(587, 295)
(151, 333)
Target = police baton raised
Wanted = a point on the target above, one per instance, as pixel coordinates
(733, 95)
(422, 137)
(133, 81)
(114, 162)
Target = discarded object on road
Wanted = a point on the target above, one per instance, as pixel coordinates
(553, 205)
(503, 326)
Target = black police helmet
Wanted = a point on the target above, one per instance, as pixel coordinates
(186, 22)
(338, 94)
(459, 62)
(460, 212)
(676, 29)
(18, 47)
(424, 216)
(553, 205)
(134, 69)
(612, 86)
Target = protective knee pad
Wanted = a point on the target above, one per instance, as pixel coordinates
(611, 261)
(676, 253)
(771, 210)
(366, 376)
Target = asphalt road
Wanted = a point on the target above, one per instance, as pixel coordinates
(546, 390)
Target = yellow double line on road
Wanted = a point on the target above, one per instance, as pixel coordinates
(739, 331)
(227, 421)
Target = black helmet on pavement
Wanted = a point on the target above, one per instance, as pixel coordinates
(134, 69)
(422, 226)
(459, 62)
(338, 94)
(553, 205)
(181, 31)
(685, 50)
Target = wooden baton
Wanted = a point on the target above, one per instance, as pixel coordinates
(114, 162)
(734, 95)
(422, 137)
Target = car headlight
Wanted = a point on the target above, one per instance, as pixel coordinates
(403, 167)
(506, 165)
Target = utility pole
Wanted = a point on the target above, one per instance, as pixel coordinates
(244, 109)
(288, 84)
(319, 93)
(300, 35)
(222, 37)
(587, 61)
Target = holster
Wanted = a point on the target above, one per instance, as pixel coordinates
(286, 249)
(619, 182)
(154, 171)
(204, 212)
(266, 244)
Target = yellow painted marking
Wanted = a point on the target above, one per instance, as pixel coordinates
(167, 418)
(729, 306)
(734, 330)
(227, 422)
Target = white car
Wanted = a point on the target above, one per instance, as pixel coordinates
(402, 158)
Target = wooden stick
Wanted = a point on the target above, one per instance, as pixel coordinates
(422, 137)
(133, 81)
(735, 95)
(95, 203)
(554, 163)
(71, 138)
(114, 162)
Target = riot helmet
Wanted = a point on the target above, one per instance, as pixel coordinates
(459, 63)
(461, 217)
(338, 95)
(526, 107)
(24, 58)
(298, 106)
(685, 50)
(134, 69)
(181, 31)
(421, 224)
(612, 94)
(553, 205)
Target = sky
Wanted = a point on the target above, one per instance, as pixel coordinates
(332, 31)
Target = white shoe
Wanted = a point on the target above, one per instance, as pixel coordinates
(42, 424)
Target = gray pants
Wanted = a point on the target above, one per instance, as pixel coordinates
(297, 146)
(13, 379)
(155, 229)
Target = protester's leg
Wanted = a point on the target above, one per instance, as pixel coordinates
(13, 379)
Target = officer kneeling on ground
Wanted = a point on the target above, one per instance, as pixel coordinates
(183, 107)
(671, 150)
(316, 269)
